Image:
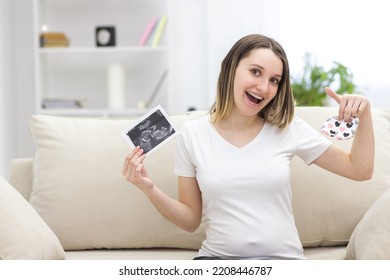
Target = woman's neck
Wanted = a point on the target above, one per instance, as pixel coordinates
(239, 130)
(239, 122)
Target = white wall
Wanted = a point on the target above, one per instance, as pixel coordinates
(16, 81)
(354, 33)
(188, 24)
(7, 103)
(228, 21)
(350, 32)
(202, 31)
(23, 75)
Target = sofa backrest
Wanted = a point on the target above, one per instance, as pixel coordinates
(327, 206)
(78, 189)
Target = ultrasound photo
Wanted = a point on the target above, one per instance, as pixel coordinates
(150, 131)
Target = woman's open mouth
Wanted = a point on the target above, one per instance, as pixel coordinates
(254, 97)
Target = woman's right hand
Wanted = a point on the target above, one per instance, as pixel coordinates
(185, 212)
(134, 170)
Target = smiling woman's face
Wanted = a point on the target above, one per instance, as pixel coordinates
(256, 81)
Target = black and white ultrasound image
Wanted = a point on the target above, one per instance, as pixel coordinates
(151, 132)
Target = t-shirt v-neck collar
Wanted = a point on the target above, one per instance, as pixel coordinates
(232, 146)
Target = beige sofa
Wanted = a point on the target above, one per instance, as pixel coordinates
(88, 211)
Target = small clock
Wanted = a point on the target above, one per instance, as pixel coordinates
(105, 36)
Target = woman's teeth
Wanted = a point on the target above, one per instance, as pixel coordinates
(254, 97)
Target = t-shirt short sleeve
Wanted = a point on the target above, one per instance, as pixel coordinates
(183, 163)
(309, 143)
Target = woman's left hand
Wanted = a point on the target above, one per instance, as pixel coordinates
(350, 105)
(358, 164)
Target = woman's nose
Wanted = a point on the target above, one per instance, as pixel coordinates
(262, 84)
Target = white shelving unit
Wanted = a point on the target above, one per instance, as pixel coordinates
(80, 71)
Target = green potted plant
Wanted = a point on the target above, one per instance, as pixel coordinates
(308, 89)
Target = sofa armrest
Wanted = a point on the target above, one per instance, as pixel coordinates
(20, 176)
(371, 238)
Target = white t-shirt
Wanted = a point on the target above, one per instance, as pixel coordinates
(246, 191)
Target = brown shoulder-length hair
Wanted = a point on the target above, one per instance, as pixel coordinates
(280, 111)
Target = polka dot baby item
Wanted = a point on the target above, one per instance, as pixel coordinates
(340, 129)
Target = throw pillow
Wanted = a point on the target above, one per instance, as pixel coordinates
(79, 190)
(371, 238)
(23, 233)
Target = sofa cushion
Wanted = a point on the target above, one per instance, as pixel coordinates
(327, 207)
(79, 190)
(23, 233)
(371, 238)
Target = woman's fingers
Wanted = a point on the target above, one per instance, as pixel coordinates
(336, 97)
(132, 161)
(127, 161)
(350, 105)
(354, 106)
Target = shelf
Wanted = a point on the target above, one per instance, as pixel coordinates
(105, 113)
(102, 50)
(81, 71)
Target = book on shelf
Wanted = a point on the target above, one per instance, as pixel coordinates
(159, 31)
(60, 103)
(153, 32)
(148, 31)
(53, 39)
